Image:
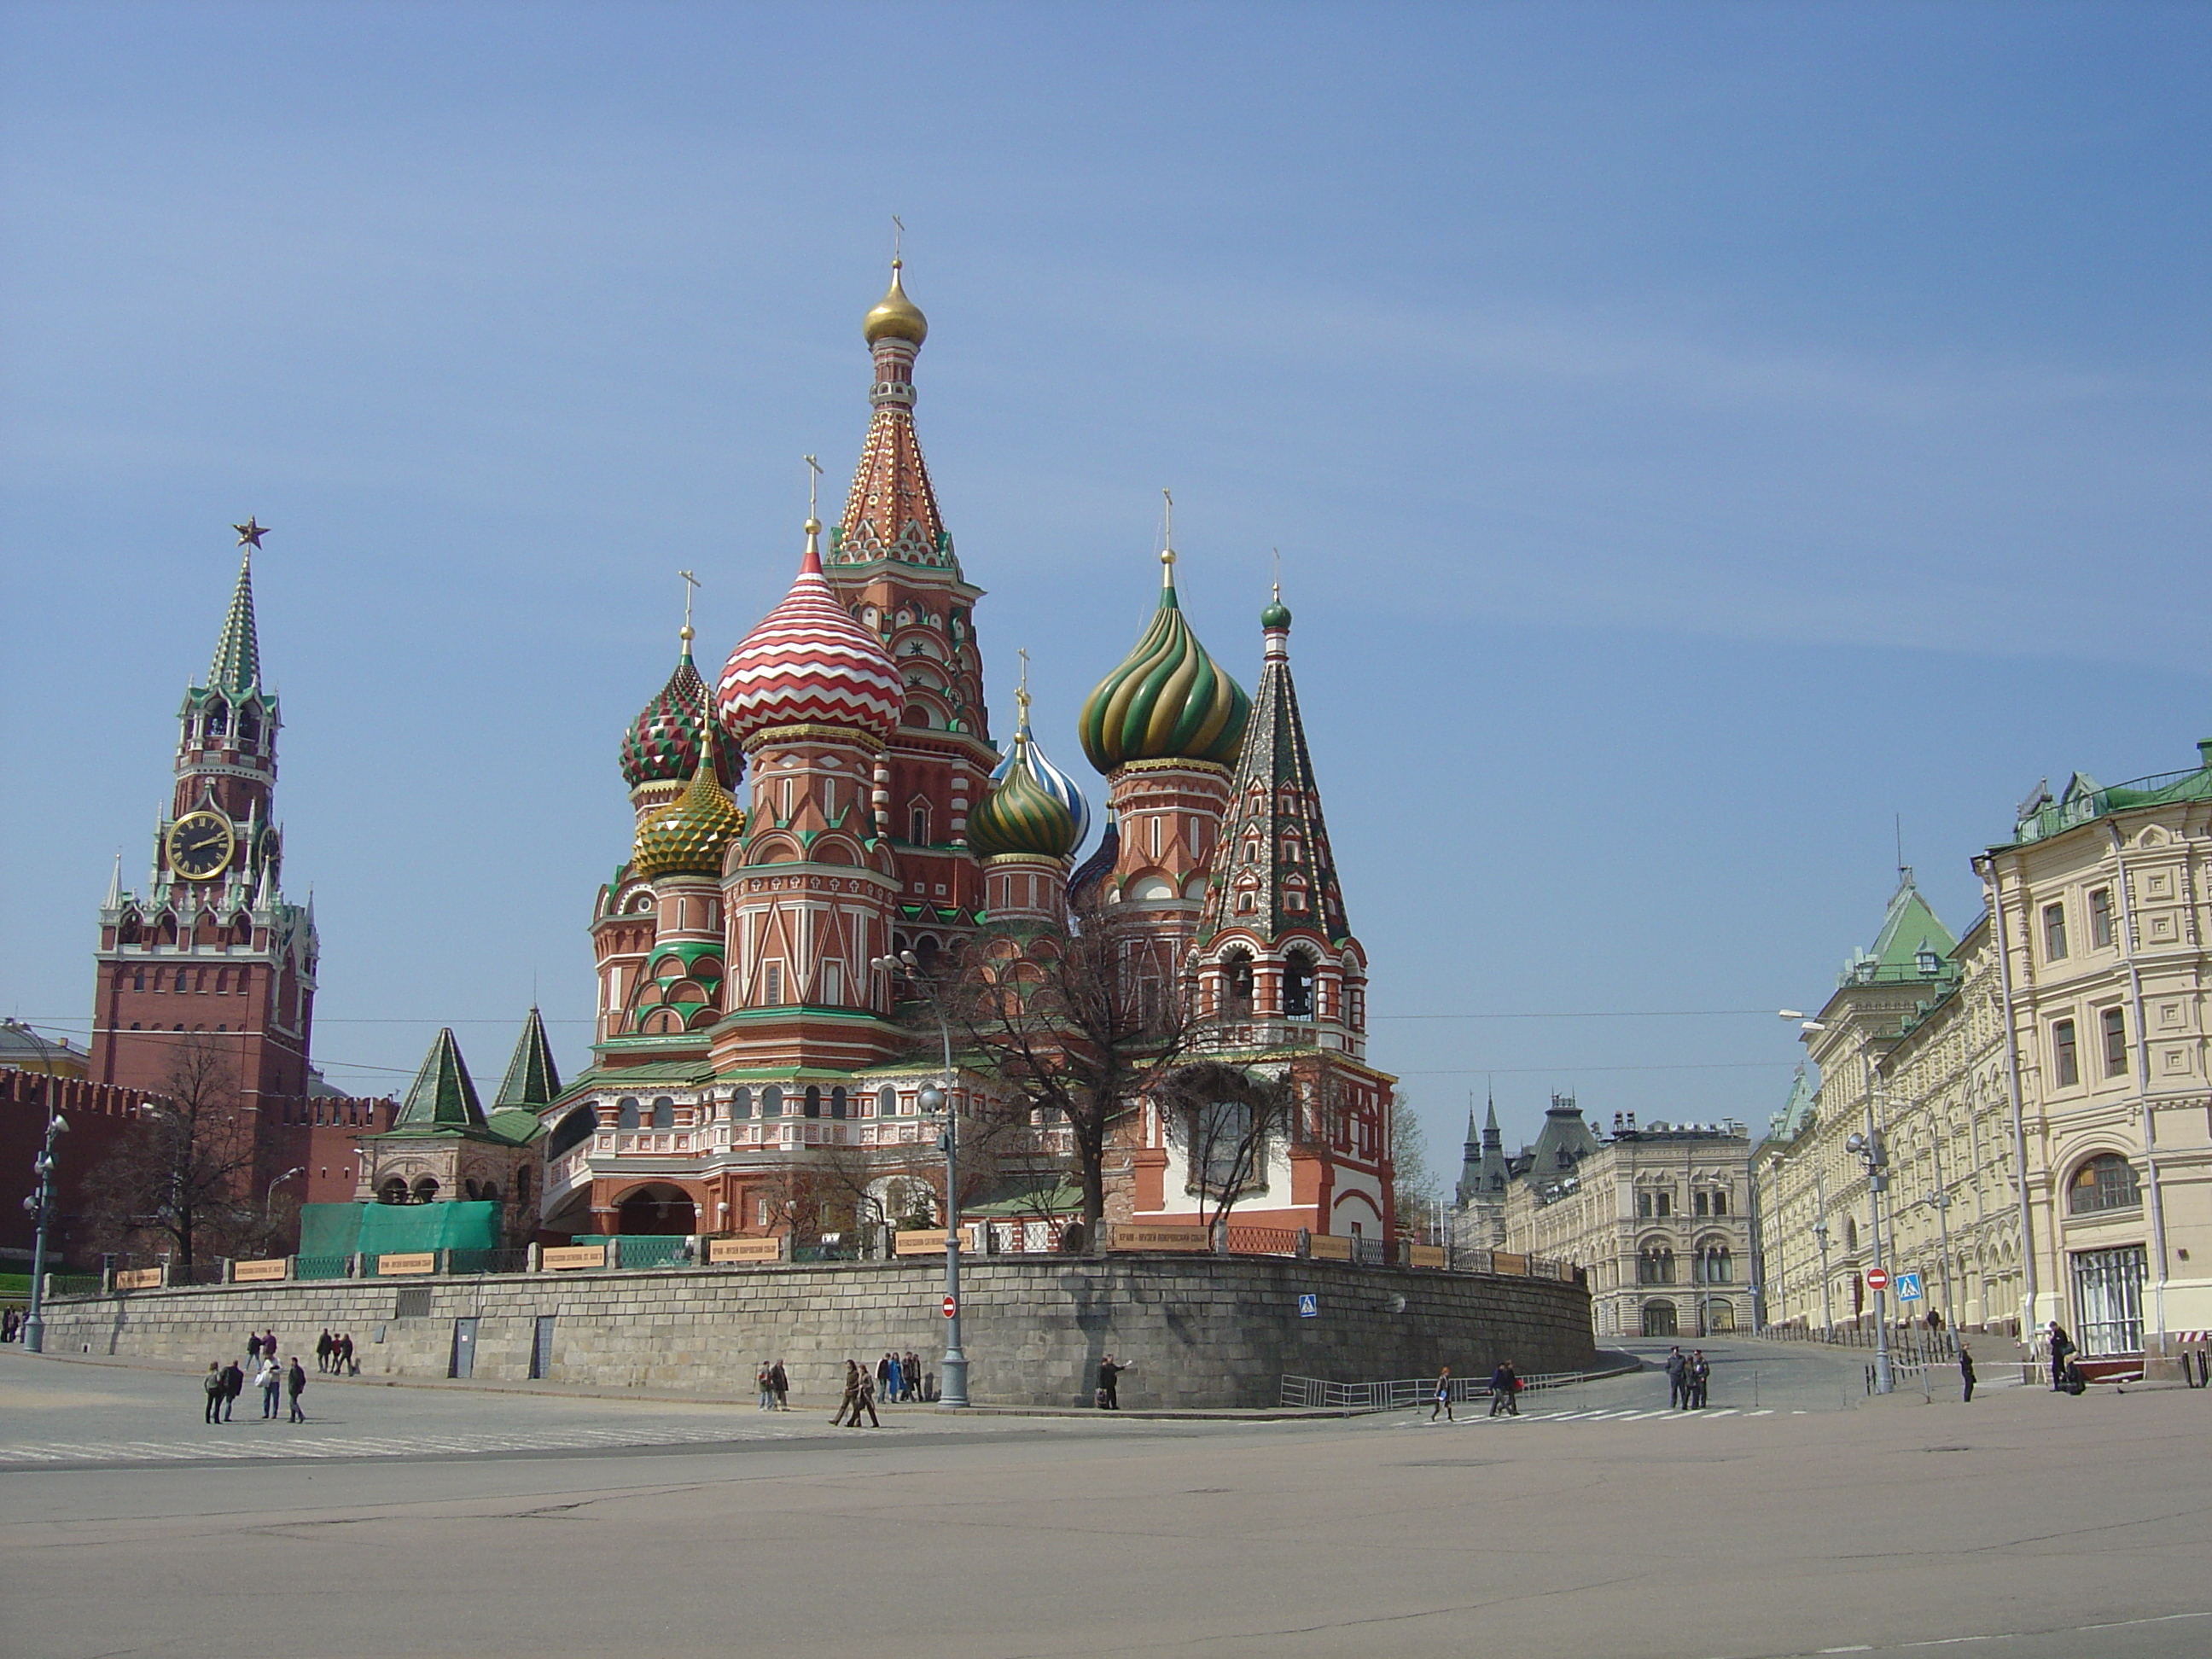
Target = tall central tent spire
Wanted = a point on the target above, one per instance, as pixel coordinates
(892, 510)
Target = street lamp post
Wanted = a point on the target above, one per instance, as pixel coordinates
(41, 1204)
(952, 1387)
(1875, 1161)
(270, 1197)
(1827, 1314)
(1940, 1201)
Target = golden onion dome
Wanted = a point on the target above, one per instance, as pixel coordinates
(896, 317)
(687, 836)
(1168, 700)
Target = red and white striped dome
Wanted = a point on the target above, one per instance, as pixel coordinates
(810, 664)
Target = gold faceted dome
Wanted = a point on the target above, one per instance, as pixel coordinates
(896, 317)
(686, 837)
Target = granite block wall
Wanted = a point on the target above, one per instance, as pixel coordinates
(1197, 1331)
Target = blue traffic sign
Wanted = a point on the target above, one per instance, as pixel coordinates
(1908, 1287)
(1308, 1305)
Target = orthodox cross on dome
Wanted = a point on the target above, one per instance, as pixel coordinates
(899, 238)
(813, 487)
(1022, 694)
(690, 586)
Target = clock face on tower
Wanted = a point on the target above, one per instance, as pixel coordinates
(199, 845)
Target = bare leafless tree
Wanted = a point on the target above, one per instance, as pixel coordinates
(1074, 1025)
(181, 1179)
(1227, 1120)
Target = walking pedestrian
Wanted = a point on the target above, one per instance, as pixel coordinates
(234, 1384)
(269, 1343)
(268, 1379)
(914, 1388)
(211, 1385)
(325, 1348)
(884, 1375)
(295, 1384)
(850, 1399)
(894, 1387)
(1699, 1374)
(345, 1354)
(252, 1347)
(767, 1388)
(779, 1380)
(1966, 1374)
(1109, 1377)
(866, 1403)
(2061, 1345)
(1443, 1397)
(1503, 1387)
(1676, 1366)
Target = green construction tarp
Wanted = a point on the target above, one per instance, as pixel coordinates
(397, 1229)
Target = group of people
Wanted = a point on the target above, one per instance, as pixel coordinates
(1504, 1393)
(898, 1377)
(1687, 1376)
(334, 1354)
(226, 1380)
(774, 1385)
(11, 1324)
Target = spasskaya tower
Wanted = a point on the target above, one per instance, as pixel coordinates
(212, 947)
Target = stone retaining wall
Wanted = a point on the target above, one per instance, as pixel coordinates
(1199, 1332)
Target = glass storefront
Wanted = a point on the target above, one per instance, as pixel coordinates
(2108, 1299)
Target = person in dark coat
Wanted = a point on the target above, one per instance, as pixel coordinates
(234, 1384)
(211, 1386)
(345, 1355)
(295, 1384)
(1696, 1377)
(1505, 1390)
(851, 1402)
(324, 1348)
(1676, 1366)
(1967, 1373)
(865, 1401)
(912, 1378)
(1109, 1377)
(779, 1380)
(252, 1347)
(2061, 1345)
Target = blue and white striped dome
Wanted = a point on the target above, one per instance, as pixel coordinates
(1032, 759)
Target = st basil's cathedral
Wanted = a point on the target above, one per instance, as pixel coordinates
(834, 797)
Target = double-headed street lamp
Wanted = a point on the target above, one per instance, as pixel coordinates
(41, 1204)
(1873, 1158)
(953, 1370)
(270, 1197)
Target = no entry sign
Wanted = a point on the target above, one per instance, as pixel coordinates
(1877, 1279)
(951, 1306)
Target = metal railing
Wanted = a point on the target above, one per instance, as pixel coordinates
(321, 1266)
(1315, 1392)
(484, 1262)
(1263, 1240)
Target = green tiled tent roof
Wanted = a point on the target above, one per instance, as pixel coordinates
(533, 1079)
(443, 1096)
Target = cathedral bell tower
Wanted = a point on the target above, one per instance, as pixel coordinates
(211, 946)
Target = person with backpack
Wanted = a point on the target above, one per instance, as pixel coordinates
(211, 1386)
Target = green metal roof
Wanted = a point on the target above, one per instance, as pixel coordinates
(533, 1079)
(2084, 800)
(1913, 944)
(237, 665)
(443, 1096)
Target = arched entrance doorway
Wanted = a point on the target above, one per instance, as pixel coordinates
(1659, 1319)
(658, 1208)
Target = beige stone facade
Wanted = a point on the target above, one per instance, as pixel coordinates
(2039, 1087)
(1661, 1219)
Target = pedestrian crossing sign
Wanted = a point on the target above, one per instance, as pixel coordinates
(1908, 1287)
(1308, 1305)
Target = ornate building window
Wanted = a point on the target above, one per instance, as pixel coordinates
(1655, 1265)
(2107, 1182)
(887, 1102)
(813, 1102)
(2054, 932)
(741, 1105)
(626, 1113)
(1298, 988)
(771, 1102)
(2114, 1022)
(1237, 985)
(2065, 1054)
(2100, 917)
(664, 1113)
(837, 1101)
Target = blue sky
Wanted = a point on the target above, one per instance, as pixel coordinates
(1695, 436)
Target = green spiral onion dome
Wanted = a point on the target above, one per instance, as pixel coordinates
(1168, 700)
(686, 837)
(1023, 812)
